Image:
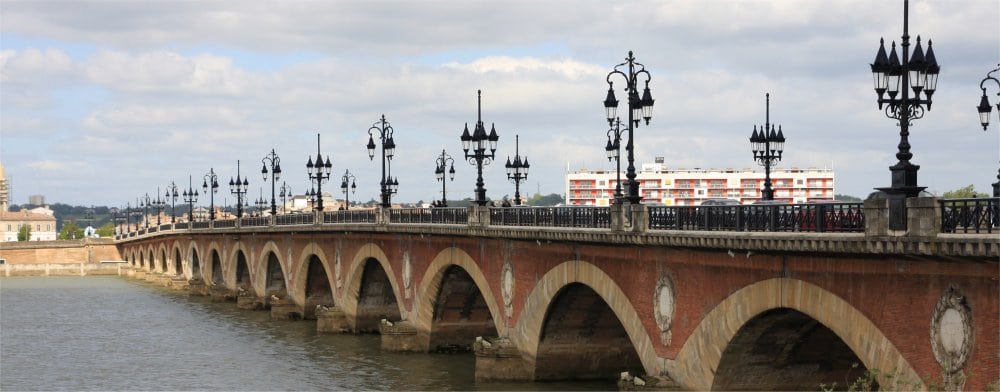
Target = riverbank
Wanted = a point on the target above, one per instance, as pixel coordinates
(86, 256)
(64, 269)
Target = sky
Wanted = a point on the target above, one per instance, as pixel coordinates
(102, 102)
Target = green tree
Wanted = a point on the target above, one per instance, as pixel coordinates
(966, 192)
(106, 230)
(70, 231)
(24, 233)
(846, 198)
(547, 200)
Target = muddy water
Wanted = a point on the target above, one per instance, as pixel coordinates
(108, 333)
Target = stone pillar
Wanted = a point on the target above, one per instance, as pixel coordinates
(246, 300)
(220, 294)
(923, 217)
(617, 217)
(876, 217)
(317, 217)
(382, 216)
(403, 336)
(640, 218)
(498, 360)
(283, 309)
(331, 320)
(479, 216)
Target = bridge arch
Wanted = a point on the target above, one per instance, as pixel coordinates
(699, 359)
(271, 277)
(216, 275)
(239, 270)
(313, 284)
(450, 261)
(163, 258)
(528, 332)
(151, 261)
(178, 263)
(195, 261)
(351, 300)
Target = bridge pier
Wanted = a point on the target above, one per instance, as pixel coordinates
(499, 360)
(246, 300)
(403, 336)
(331, 320)
(283, 309)
(221, 294)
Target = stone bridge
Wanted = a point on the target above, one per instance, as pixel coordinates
(690, 309)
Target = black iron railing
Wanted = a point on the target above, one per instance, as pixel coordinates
(201, 224)
(350, 216)
(293, 219)
(225, 223)
(152, 229)
(588, 217)
(825, 217)
(165, 226)
(975, 215)
(448, 215)
(182, 226)
(255, 221)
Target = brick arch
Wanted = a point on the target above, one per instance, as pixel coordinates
(195, 251)
(151, 258)
(207, 260)
(352, 281)
(176, 249)
(231, 260)
(699, 357)
(422, 314)
(297, 291)
(162, 251)
(260, 279)
(528, 330)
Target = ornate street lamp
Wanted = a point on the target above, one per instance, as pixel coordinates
(613, 149)
(517, 171)
(917, 73)
(274, 162)
(388, 185)
(261, 204)
(984, 115)
(190, 197)
(160, 205)
(477, 141)
(318, 174)
(146, 203)
(637, 108)
(211, 183)
(767, 147)
(172, 196)
(238, 188)
(441, 163)
(286, 191)
(348, 178)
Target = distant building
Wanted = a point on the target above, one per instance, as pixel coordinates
(38, 200)
(43, 227)
(658, 184)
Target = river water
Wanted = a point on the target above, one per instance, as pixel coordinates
(109, 333)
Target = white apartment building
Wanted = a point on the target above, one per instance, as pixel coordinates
(659, 184)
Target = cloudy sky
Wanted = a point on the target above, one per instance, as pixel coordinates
(101, 102)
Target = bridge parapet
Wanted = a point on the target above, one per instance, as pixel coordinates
(945, 228)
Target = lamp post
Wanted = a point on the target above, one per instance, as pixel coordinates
(318, 174)
(274, 162)
(477, 141)
(918, 73)
(613, 149)
(517, 171)
(261, 204)
(637, 108)
(172, 196)
(190, 197)
(439, 169)
(145, 202)
(984, 115)
(286, 191)
(767, 147)
(238, 188)
(211, 186)
(347, 178)
(388, 185)
(159, 204)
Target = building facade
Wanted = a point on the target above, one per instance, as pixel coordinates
(4, 190)
(43, 226)
(659, 184)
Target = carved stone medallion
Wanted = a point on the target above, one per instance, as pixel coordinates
(663, 304)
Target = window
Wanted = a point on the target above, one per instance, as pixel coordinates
(48, 227)
(38, 227)
(798, 182)
(8, 227)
